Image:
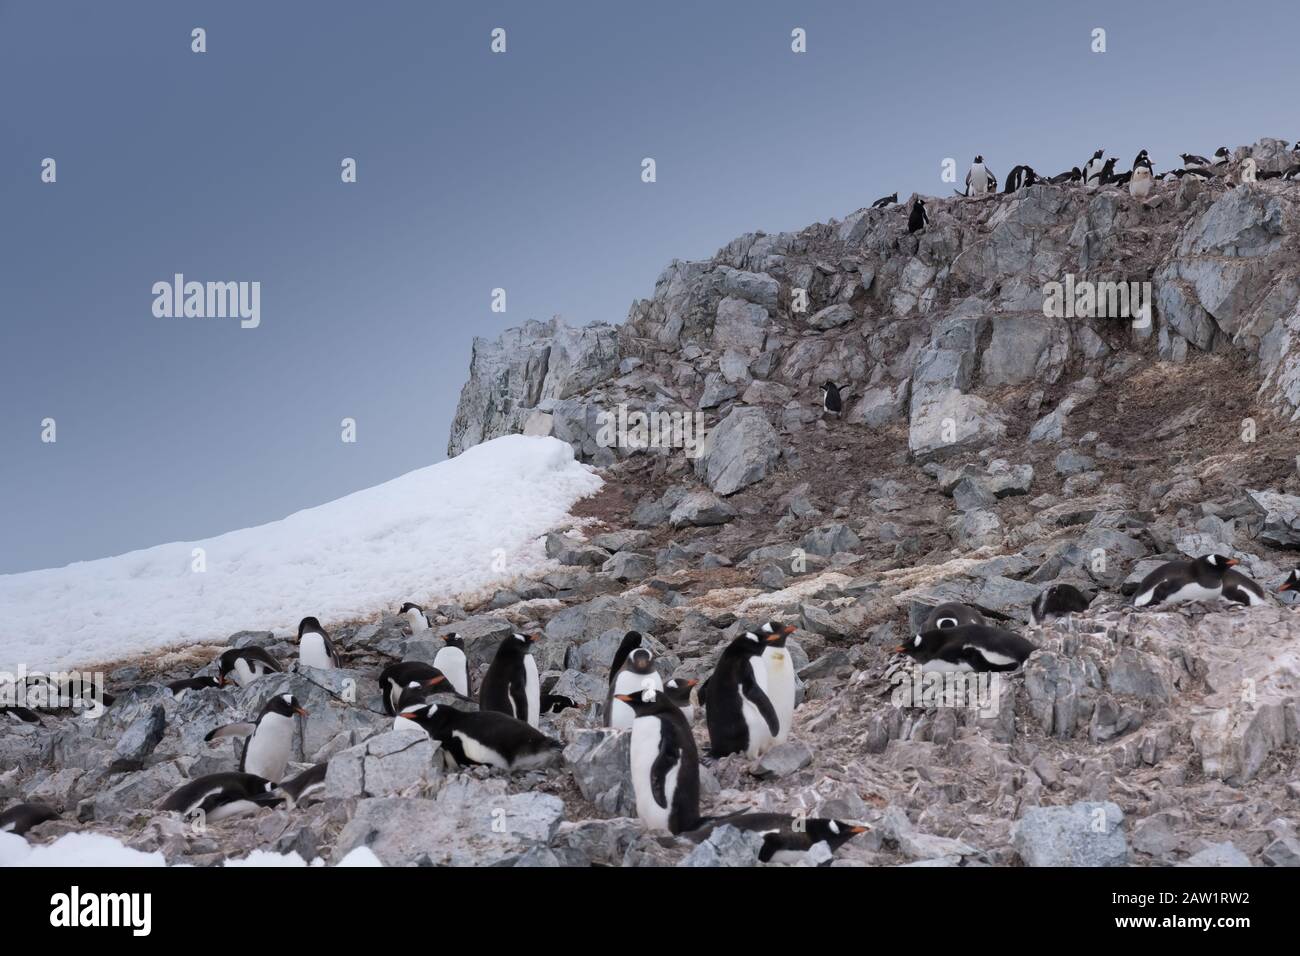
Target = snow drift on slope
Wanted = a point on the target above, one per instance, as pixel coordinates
(455, 528)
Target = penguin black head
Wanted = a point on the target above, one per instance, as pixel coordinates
(525, 641)
(774, 634)
(309, 625)
(1292, 581)
(678, 689)
(1098, 154)
(430, 717)
(834, 832)
(1222, 151)
(453, 640)
(925, 643)
(979, 159)
(920, 201)
(640, 661)
(1217, 562)
(408, 606)
(286, 705)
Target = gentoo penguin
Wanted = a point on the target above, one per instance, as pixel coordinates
(951, 614)
(1249, 170)
(451, 660)
(780, 675)
(1222, 155)
(1192, 159)
(1293, 172)
(1292, 582)
(1092, 168)
(833, 399)
(637, 674)
(308, 783)
(1103, 175)
(1057, 601)
(738, 712)
(979, 180)
(270, 738)
(1178, 581)
(180, 688)
(395, 679)
(243, 665)
(511, 685)
(315, 649)
(414, 615)
(222, 795)
(884, 201)
(665, 764)
(1142, 159)
(1122, 179)
(1140, 182)
(21, 817)
(1019, 178)
(782, 842)
(971, 647)
(918, 219)
(1073, 176)
(20, 715)
(680, 690)
(1241, 589)
(631, 641)
(484, 737)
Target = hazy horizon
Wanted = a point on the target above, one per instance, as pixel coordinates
(475, 171)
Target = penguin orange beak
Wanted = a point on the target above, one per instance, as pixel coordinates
(407, 716)
(625, 698)
(858, 829)
(1286, 586)
(302, 711)
(788, 630)
(691, 682)
(901, 649)
(1233, 562)
(434, 680)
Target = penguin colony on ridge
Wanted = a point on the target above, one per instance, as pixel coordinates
(749, 704)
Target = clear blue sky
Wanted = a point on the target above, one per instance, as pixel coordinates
(475, 171)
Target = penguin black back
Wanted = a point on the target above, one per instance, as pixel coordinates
(1057, 601)
(918, 219)
(732, 684)
(674, 774)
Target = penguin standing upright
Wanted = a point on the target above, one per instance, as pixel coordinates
(511, 685)
(270, 737)
(979, 180)
(681, 691)
(315, 649)
(637, 674)
(484, 737)
(780, 675)
(1140, 183)
(833, 399)
(1057, 601)
(1177, 581)
(414, 615)
(918, 219)
(219, 796)
(1092, 168)
(664, 762)
(243, 665)
(451, 660)
(738, 712)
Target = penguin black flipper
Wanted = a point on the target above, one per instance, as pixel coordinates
(669, 756)
(519, 700)
(242, 729)
(758, 697)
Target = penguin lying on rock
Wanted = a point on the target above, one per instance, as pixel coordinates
(1057, 601)
(485, 737)
(219, 796)
(21, 817)
(1175, 582)
(971, 647)
(243, 665)
(782, 842)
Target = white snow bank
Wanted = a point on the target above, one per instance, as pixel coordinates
(99, 849)
(453, 529)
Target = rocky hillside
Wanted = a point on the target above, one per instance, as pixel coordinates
(987, 449)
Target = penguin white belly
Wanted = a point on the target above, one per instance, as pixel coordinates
(313, 653)
(760, 735)
(1139, 188)
(993, 657)
(979, 180)
(451, 661)
(532, 690)
(629, 682)
(938, 664)
(268, 748)
(417, 621)
(480, 753)
(233, 809)
(645, 750)
(689, 713)
(792, 857)
(1188, 592)
(780, 684)
(245, 675)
